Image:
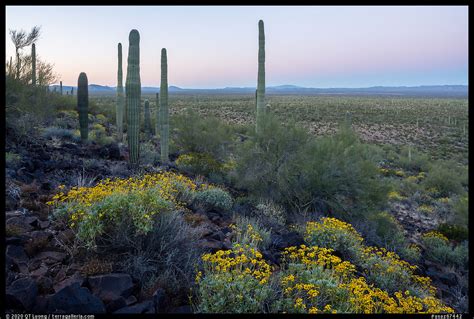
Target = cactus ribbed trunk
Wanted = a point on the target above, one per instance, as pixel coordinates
(83, 105)
(61, 87)
(147, 119)
(18, 65)
(133, 95)
(164, 145)
(158, 117)
(261, 75)
(33, 64)
(348, 119)
(72, 91)
(120, 98)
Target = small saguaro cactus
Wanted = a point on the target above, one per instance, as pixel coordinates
(158, 117)
(83, 105)
(72, 90)
(164, 143)
(61, 87)
(261, 75)
(120, 104)
(348, 119)
(33, 64)
(147, 119)
(133, 95)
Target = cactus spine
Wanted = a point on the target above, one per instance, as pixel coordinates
(133, 95)
(261, 75)
(164, 108)
(147, 118)
(61, 87)
(83, 105)
(158, 117)
(33, 64)
(120, 98)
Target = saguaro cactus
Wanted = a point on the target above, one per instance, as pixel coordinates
(120, 98)
(164, 144)
(147, 119)
(72, 91)
(261, 75)
(158, 117)
(33, 64)
(61, 87)
(133, 95)
(83, 105)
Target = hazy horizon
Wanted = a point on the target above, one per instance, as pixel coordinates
(216, 46)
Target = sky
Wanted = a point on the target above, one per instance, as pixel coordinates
(217, 46)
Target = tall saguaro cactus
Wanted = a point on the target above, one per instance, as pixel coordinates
(133, 95)
(120, 98)
(164, 143)
(261, 75)
(33, 64)
(147, 119)
(61, 87)
(83, 105)
(158, 117)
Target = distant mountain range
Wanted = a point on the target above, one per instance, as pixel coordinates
(460, 91)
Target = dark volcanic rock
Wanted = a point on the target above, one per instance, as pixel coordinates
(22, 294)
(111, 287)
(75, 299)
(159, 299)
(76, 278)
(182, 309)
(144, 307)
(286, 240)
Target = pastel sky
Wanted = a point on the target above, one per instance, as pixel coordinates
(217, 46)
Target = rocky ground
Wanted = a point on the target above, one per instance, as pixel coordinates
(42, 276)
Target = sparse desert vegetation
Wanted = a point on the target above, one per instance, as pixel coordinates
(223, 204)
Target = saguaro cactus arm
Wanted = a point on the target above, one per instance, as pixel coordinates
(261, 74)
(33, 64)
(120, 106)
(83, 105)
(133, 94)
(164, 143)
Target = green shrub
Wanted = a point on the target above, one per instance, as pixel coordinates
(439, 250)
(195, 134)
(334, 174)
(455, 232)
(419, 160)
(148, 153)
(199, 163)
(389, 232)
(461, 211)
(271, 212)
(214, 198)
(446, 178)
(12, 160)
(60, 133)
(249, 231)
(335, 234)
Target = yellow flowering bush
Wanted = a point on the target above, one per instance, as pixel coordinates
(103, 208)
(393, 195)
(426, 209)
(235, 281)
(204, 164)
(335, 234)
(248, 231)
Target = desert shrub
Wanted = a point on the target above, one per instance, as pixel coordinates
(334, 234)
(214, 198)
(461, 211)
(12, 159)
(446, 178)
(271, 212)
(196, 134)
(455, 232)
(419, 160)
(439, 250)
(166, 255)
(334, 174)
(113, 211)
(234, 281)
(60, 133)
(389, 234)
(148, 153)
(249, 231)
(199, 163)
